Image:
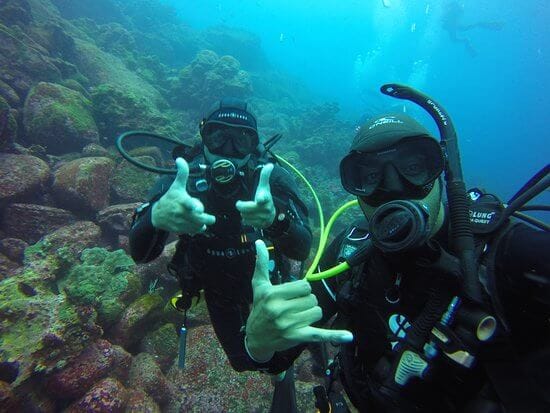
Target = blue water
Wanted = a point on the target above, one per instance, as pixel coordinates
(344, 50)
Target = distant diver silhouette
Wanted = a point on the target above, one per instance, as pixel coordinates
(451, 21)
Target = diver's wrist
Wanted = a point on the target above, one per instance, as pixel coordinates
(257, 356)
(280, 224)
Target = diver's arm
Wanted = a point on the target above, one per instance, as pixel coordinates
(282, 316)
(522, 260)
(290, 231)
(325, 291)
(146, 241)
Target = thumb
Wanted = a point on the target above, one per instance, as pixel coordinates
(183, 173)
(261, 271)
(263, 191)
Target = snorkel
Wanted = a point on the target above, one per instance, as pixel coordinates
(461, 232)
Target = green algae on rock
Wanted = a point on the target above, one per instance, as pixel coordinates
(58, 118)
(104, 280)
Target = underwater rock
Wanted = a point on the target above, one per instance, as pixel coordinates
(162, 344)
(145, 374)
(227, 66)
(15, 12)
(61, 44)
(208, 77)
(57, 252)
(22, 178)
(156, 270)
(122, 363)
(116, 219)
(118, 109)
(117, 40)
(58, 118)
(82, 185)
(204, 61)
(139, 402)
(131, 184)
(32, 398)
(150, 151)
(123, 100)
(136, 319)
(11, 97)
(124, 243)
(95, 150)
(40, 331)
(23, 61)
(8, 400)
(76, 86)
(104, 280)
(209, 384)
(91, 365)
(109, 395)
(13, 248)
(7, 266)
(31, 222)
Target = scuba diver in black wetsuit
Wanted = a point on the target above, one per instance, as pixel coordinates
(445, 308)
(230, 194)
(451, 21)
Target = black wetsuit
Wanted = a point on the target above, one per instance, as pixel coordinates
(222, 260)
(397, 288)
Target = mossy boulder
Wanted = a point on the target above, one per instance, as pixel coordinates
(10, 95)
(97, 361)
(119, 110)
(82, 185)
(102, 67)
(41, 330)
(131, 184)
(146, 375)
(57, 252)
(162, 344)
(108, 395)
(30, 222)
(23, 178)
(8, 125)
(104, 280)
(138, 317)
(58, 118)
(208, 77)
(24, 62)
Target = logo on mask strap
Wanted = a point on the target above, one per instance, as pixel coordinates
(232, 115)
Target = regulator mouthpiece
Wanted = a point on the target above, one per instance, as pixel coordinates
(399, 226)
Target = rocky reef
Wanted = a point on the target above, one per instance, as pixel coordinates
(82, 327)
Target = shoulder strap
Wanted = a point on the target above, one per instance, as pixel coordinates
(492, 282)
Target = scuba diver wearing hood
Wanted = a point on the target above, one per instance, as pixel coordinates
(418, 342)
(237, 196)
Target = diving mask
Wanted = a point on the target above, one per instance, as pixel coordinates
(231, 141)
(406, 170)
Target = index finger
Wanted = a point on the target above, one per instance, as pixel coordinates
(323, 335)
